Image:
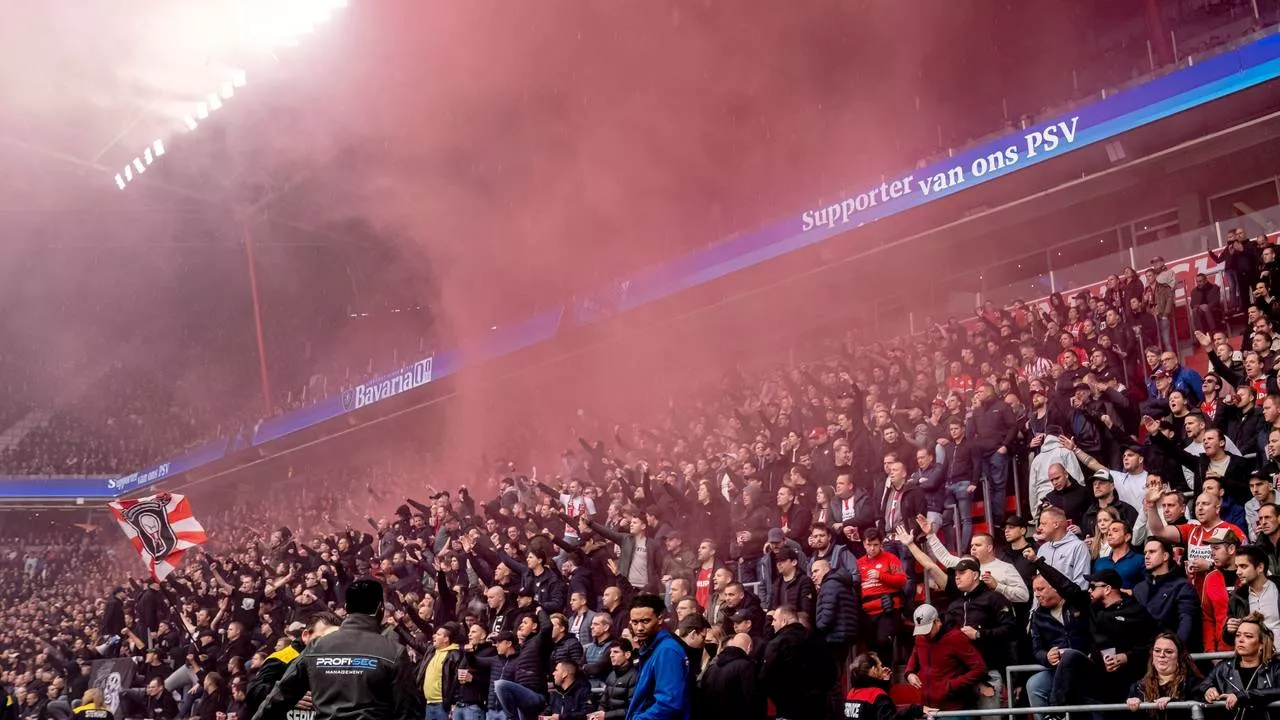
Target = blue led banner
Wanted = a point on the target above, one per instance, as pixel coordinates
(1157, 99)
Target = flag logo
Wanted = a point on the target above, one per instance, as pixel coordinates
(161, 528)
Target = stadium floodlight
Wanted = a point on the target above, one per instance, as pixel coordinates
(273, 23)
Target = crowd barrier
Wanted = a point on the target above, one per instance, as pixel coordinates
(1195, 707)
(1012, 670)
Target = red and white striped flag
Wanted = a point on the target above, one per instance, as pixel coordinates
(161, 529)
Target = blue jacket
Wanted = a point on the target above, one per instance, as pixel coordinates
(662, 688)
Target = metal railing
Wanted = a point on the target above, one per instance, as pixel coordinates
(1196, 708)
(1012, 670)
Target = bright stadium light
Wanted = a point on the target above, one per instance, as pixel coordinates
(261, 24)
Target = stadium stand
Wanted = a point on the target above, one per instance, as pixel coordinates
(928, 498)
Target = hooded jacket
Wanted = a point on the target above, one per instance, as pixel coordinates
(663, 690)
(838, 611)
(728, 688)
(949, 667)
(1051, 452)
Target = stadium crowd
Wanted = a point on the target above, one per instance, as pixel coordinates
(802, 537)
(133, 423)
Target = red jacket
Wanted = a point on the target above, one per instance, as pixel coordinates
(949, 668)
(892, 579)
(1214, 600)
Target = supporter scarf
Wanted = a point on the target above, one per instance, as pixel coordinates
(161, 528)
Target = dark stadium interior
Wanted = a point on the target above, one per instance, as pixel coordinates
(400, 181)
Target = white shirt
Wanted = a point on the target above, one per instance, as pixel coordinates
(1265, 603)
(1009, 582)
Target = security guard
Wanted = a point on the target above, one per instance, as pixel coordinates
(354, 673)
(274, 667)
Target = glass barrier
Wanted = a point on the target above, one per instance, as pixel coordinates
(1176, 246)
(1262, 222)
(1079, 275)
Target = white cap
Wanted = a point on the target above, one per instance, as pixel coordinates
(924, 617)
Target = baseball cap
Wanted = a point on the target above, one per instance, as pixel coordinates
(1106, 577)
(1016, 521)
(504, 636)
(1104, 475)
(1222, 536)
(1157, 260)
(740, 616)
(968, 564)
(924, 617)
(775, 535)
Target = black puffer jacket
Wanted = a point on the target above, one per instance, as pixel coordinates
(530, 667)
(352, 674)
(838, 614)
(618, 688)
(569, 648)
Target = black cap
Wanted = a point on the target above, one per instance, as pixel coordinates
(968, 564)
(504, 636)
(1106, 577)
(1016, 521)
(740, 616)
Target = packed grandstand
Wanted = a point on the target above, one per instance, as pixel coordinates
(1061, 493)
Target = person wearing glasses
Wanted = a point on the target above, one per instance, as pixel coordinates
(1249, 682)
(1171, 674)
